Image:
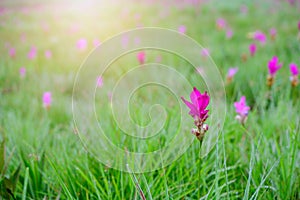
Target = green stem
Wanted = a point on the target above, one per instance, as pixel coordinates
(199, 170)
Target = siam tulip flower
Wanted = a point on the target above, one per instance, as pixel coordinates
(22, 72)
(23, 37)
(260, 36)
(273, 66)
(137, 40)
(198, 111)
(182, 29)
(295, 72)
(158, 59)
(12, 52)
(200, 70)
(48, 54)
(32, 53)
(141, 57)
(47, 100)
(96, 42)
(205, 52)
(110, 95)
(244, 9)
(241, 109)
(273, 33)
(252, 49)
(229, 33)
(230, 74)
(81, 44)
(125, 41)
(221, 24)
(99, 81)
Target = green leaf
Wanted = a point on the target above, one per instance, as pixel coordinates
(15, 178)
(2, 152)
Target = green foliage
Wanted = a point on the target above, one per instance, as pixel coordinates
(41, 156)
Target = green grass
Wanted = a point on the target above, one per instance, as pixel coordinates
(258, 161)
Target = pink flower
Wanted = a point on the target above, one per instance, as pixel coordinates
(23, 37)
(198, 105)
(252, 49)
(48, 54)
(141, 57)
(244, 9)
(232, 72)
(295, 73)
(241, 107)
(294, 69)
(260, 36)
(96, 42)
(182, 29)
(99, 81)
(22, 72)
(158, 58)
(274, 66)
(137, 40)
(81, 44)
(125, 41)
(47, 100)
(221, 23)
(12, 52)
(198, 111)
(32, 53)
(205, 52)
(229, 33)
(273, 33)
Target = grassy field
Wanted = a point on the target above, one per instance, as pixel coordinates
(42, 156)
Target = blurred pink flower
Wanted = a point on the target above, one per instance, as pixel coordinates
(221, 23)
(32, 53)
(48, 54)
(47, 100)
(125, 41)
(99, 81)
(200, 70)
(96, 42)
(232, 71)
(244, 9)
(274, 66)
(295, 72)
(110, 95)
(229, 33)
(82, 44)
(260, 36)
(12, 52)
(241, 109)
(141, 57)
(273, 33)
(137, 40)
(158, 58)
(252, 49)
(294, 69)
(182, 29)
(22, 72)
(205, 52)
(23, 37)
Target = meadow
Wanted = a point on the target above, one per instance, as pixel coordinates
(255, 154)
